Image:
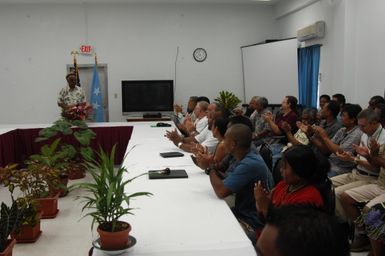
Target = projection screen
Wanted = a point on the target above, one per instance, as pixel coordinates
(270, 70)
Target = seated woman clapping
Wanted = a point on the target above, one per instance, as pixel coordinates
(301, 170)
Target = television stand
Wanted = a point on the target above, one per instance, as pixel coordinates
(152, 115)
(141, 119)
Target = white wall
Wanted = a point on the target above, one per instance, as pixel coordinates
(352, 53)
(369, 48)
(136, 41)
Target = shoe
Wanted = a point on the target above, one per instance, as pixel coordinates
(360, 243)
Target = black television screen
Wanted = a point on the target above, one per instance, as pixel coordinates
(147, 95)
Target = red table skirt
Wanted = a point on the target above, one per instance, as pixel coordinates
(17, 145)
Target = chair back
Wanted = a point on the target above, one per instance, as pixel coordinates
(327, 192)
(267, 155)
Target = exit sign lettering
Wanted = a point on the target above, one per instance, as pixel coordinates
(86, 49)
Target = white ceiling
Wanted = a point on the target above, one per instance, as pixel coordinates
(271, 2)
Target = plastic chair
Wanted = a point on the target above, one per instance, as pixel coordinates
(267, 155)
(327, 192)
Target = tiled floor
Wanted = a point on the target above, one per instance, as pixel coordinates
(66, 234)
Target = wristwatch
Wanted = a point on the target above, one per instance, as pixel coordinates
(180, 144)
(208, 170)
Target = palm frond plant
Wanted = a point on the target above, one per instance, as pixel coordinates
(105, 198)
(228, 100)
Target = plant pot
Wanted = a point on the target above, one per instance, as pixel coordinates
(114, 240)
(76, 171)
(8, 250)
(27, 234)
(48, 206)
(62, 190)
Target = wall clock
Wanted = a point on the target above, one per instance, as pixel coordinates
(200, 54)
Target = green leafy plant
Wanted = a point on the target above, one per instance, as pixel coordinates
(106, 194)
(51, 156)
(10, 220)
(29, 207)
(228, 100)
(64, 128)
(33, 181)
(12, 178)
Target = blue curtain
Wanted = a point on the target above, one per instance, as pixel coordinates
(308, 70)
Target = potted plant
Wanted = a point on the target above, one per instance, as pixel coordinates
(228, 100)
(34, 183)
(29, 230)
(58, 160)
(107, 200)
(42, 179)
(80, 135)
(10, 218)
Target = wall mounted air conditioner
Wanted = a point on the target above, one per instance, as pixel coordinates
(316, 30)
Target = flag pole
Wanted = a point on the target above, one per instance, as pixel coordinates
(96, 94)
(74, 53)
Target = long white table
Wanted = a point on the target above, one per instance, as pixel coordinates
(184, 217)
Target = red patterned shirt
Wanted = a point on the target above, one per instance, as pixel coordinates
(306, 195)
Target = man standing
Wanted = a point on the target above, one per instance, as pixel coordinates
(72, 94)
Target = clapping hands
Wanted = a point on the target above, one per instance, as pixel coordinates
(262, 197)
(173, 136)
(268, 116)
(204, 160)
(345, 156)
(371, 150)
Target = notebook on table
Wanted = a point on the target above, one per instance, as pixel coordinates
(172, 174)
(171, 154)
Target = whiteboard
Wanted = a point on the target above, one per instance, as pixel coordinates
(270, 70)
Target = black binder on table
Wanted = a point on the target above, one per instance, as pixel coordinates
(171, 154)
(161, 174)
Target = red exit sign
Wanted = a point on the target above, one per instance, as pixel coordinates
(86, 49)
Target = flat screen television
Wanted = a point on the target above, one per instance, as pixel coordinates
(147, 96)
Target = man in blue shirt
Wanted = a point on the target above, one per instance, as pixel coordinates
(241, 177)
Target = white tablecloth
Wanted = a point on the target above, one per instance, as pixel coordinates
(184, 217)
